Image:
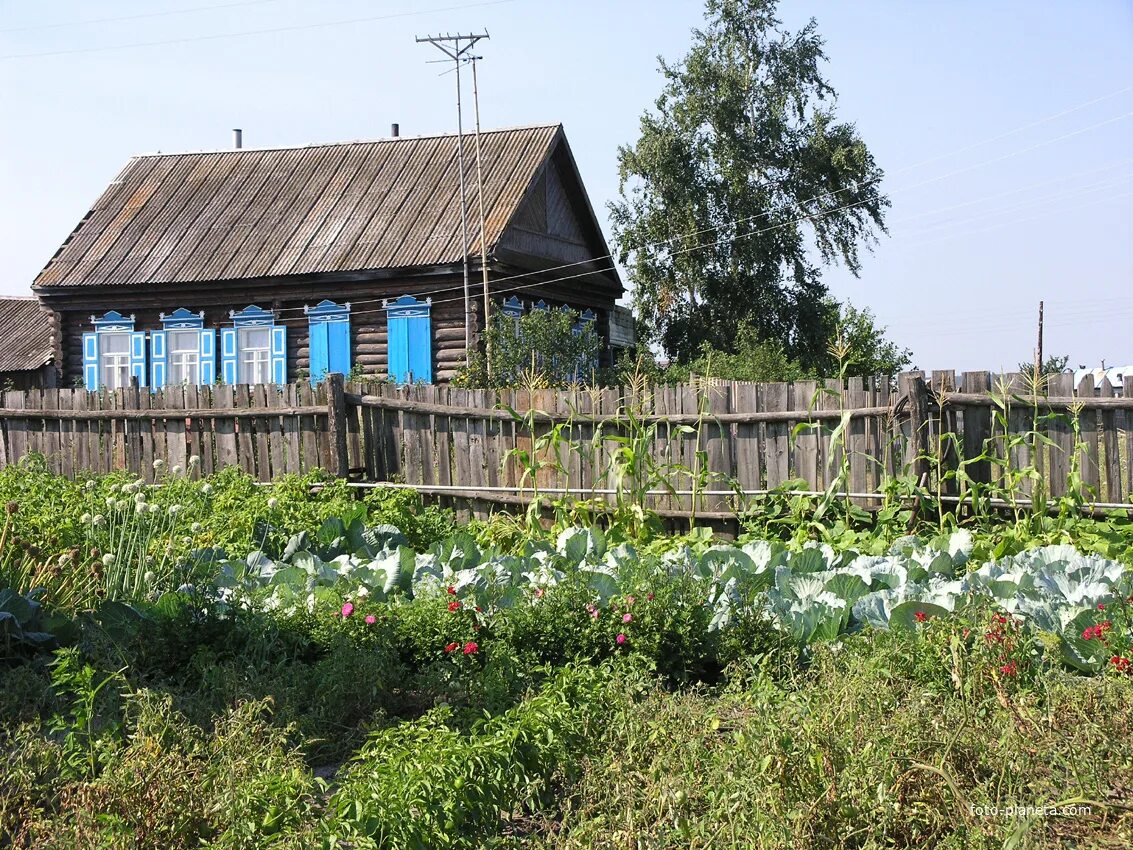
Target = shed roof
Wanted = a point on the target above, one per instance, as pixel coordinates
(266, 213)
(25, 335)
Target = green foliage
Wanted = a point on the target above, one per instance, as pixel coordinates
(742, 177)
(1053, 365)
(542, 348)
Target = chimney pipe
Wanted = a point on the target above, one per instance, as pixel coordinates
(395, 130)
(238, 138)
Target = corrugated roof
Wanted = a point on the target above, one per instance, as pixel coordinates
(25, 335)
(255, 213)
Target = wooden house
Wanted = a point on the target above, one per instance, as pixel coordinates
(270, 265)
(26, 346)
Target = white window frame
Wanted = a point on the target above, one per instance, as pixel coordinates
(184, 362)
(113, 366)
(253, 361)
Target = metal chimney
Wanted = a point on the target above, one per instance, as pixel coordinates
(395, 130)
(238, 138)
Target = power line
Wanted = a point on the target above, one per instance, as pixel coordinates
(272, 30)
(724, 240)
(552, 281)
(138, 16)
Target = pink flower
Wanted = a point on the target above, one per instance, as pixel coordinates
(627, 618)
(630, 600)
(371, 619)
(649, 597)
(451, 646)
(454, 606)
(347, 609)
(920, 616)
(471, 647)
(592, 611)
(539, 592)
(620, 639)
(1101, 607)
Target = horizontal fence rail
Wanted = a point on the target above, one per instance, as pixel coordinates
(697, 448)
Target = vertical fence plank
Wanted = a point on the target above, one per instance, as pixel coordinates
(1088, 434)
(225, 428)
(977, 426)
(1112, 489)
(17, 427)
(747, 439)
(857, 443)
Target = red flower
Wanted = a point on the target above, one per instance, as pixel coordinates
(1088, 633)
(966, 633)
(921, 616)
(470, 647)
(479, 610)
(451, 591)
(454, 606)
(1009, 669)
(1120, 663)
(1101, 607)
(999, 618)
(451, 646)
(649, 597)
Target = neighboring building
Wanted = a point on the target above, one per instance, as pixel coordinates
(1116, 376)
(268, 265)
(26, 347)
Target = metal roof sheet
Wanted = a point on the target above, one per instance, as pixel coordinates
(254, 213)
(25, 335)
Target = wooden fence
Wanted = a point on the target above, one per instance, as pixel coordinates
(707, 439)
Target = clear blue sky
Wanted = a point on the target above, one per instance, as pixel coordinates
(981, 227)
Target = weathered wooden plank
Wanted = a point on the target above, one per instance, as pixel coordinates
(1128, 458)
(1088, 436)
(802, 397)
(309, 429)
(151, 434)
(1058, 429)
(717, 445)
(460, 441)
(354, 434)
(945, 431)
(81, 433)
(292, 427)
(778, 442)
(261, 431)
(1112, 485)
(15, 400)
(977, 427)
(245, 454)
(748, 448)
(857, 441)
(493, 446)
(225, 428)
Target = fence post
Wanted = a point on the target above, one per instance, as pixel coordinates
(336, 425)
(912, 386)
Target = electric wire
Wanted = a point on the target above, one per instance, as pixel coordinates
(267, 31)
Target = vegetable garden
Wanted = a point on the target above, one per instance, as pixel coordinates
(204, 661)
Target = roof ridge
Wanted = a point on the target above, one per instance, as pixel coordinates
(374, 141)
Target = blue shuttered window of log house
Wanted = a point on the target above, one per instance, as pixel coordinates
(254, 349)
(409, 340)
(328, 326)
(113, 353)
(183, 351)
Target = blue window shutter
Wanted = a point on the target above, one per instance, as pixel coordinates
(420, 338)
(338, 345)
(138, 357)
(228, 354)
(279, 354)
(208, 357)
(90, 361)
(320, 350)
(397, 346)
(157, 359)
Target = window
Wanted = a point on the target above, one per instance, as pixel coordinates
(255, 355)
(184, 357)
(328, 329)
(409, 340)
(184, 352)
(254, 350)
(114, 360)
(113, 353)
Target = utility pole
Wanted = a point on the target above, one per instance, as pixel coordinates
(483, 221)
(1039, 346)
(455, 47)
